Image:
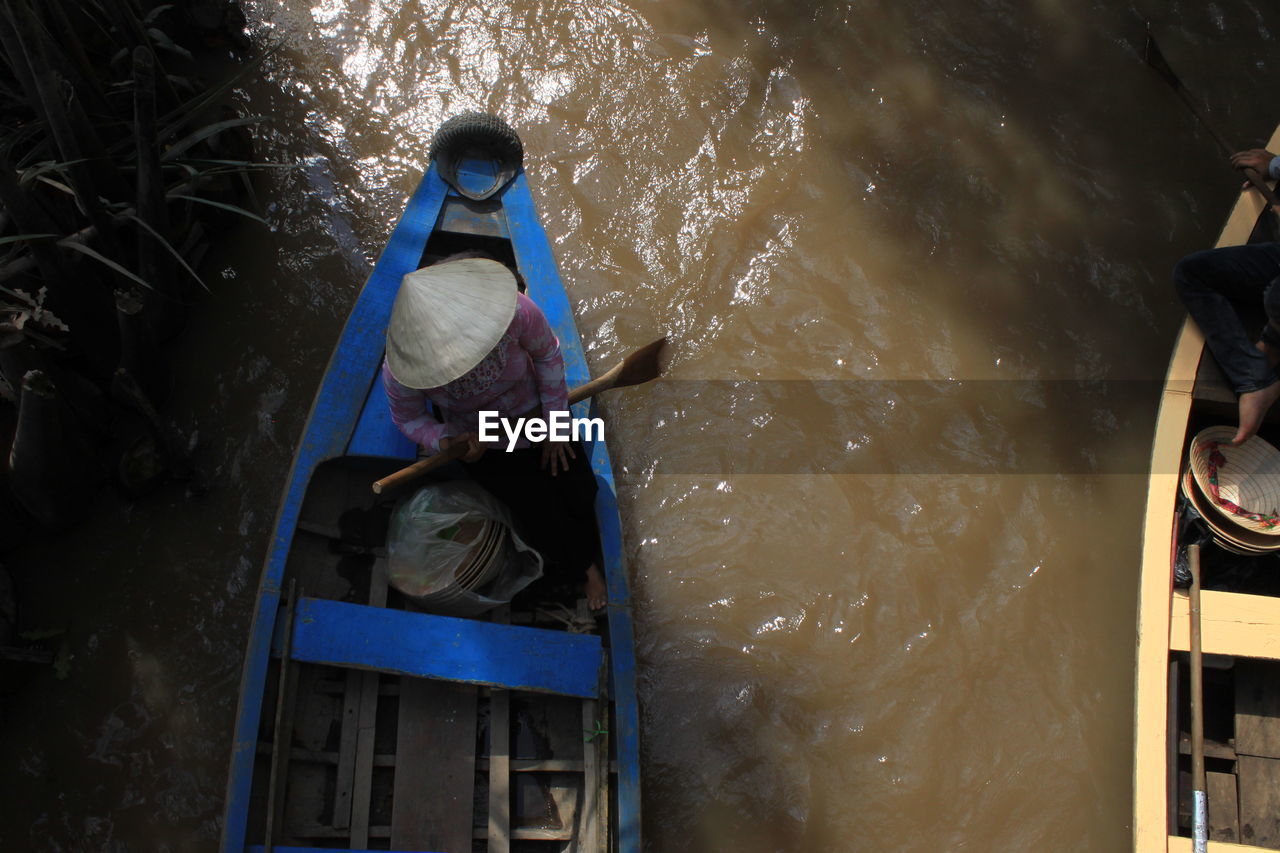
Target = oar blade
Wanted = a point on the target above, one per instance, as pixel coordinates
(643, 365)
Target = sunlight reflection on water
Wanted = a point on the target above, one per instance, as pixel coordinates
(840, 193)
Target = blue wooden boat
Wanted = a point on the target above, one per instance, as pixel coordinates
(391, 728)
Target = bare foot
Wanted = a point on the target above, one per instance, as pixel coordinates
(597, 592)
(1253, 408)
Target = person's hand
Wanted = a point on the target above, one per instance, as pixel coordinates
(474, 448)
(1257, 159)
(557, 454)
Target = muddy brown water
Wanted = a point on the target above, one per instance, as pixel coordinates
(883, 519)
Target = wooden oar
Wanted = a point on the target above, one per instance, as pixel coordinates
(1199, 802)
(1151, 53)
(641, 366)
(638, 368)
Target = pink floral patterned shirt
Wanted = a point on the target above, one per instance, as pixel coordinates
(524, 371)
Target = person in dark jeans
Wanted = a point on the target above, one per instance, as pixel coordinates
(1211, 281)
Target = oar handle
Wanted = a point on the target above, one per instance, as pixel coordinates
(1155, 58)
(595, 386)
(1260, 184)
(1254, 177)
(422, 466)
(457, 451)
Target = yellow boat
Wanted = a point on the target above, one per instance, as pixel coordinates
(1240, 629)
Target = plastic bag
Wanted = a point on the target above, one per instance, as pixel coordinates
(452, 548)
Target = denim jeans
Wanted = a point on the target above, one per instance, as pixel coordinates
(1209, 282)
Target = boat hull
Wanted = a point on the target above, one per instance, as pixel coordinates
(349, 429)
(1190, 382)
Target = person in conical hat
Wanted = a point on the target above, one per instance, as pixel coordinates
(462, 337)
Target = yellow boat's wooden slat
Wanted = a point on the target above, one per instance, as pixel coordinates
(1224, 806)
(1259, 781)
(1150, 819)
(1232, 623)
(1257, 709)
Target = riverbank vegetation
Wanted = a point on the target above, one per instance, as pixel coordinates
(122, 156)
(118, 161)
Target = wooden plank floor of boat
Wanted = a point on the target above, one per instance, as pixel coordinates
(383, 761)
(435, 751)
(1243, 759)
(1257, 742)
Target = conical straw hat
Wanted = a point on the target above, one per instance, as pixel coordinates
(496, 558)
(478, 566)
(1237, 550)
(1241, 483)
(471, 567)
(446, 319)
(1240, 538)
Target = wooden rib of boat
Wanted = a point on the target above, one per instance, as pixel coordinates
(394, 729)
(1240, 615)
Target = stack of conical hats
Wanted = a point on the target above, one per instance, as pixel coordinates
(1236, 490)
(485, 557)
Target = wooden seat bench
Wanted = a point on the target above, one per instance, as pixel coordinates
(403, 642)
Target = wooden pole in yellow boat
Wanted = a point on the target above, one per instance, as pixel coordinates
(1199, 803)
(642, 365)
